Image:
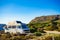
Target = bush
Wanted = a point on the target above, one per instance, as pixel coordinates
(38, 33)
(32, 30)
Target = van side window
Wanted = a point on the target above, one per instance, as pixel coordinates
(19, 26)
(13, 26)
(9, 26)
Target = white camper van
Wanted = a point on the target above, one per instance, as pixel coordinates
(16, 27)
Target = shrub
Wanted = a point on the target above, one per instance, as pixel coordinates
(32, 30)
(38, 33)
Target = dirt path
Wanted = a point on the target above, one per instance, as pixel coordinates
(56, 32)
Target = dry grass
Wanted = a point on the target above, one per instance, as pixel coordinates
(29, 37)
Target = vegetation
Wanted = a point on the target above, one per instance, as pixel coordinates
(50, 23)
(38, 33)
(15, 37)
(30, 37)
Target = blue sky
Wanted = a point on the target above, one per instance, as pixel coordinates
(26, 10)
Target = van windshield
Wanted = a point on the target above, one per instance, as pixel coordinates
(6, 27)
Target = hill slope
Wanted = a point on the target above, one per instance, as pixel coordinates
(46, 18)
(46, 22)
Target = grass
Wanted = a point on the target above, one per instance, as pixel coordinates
(29, 36)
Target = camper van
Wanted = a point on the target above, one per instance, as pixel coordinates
(16, 27)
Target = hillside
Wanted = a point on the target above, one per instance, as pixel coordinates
(50, 23)
(46, 19)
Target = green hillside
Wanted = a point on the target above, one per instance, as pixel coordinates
(51, 23)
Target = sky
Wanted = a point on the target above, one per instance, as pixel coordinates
(26, 10)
